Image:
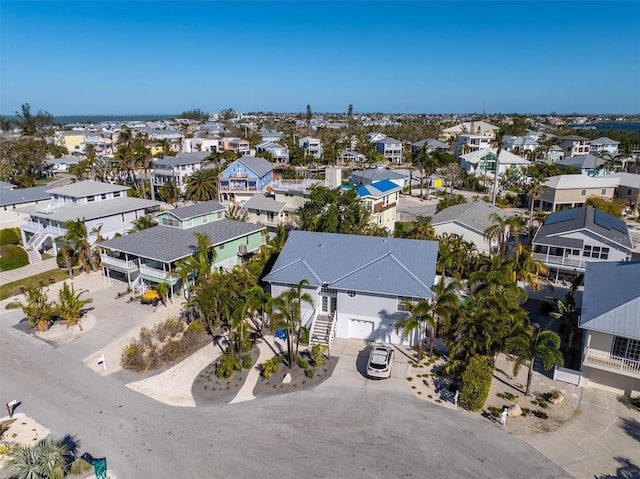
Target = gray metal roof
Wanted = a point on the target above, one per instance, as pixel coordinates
(603, 140)
(558, 224)
(370, 175)
(611, 301)
(193, 158)
(261, 202)
(387, 140)
(197, 209)
(393, 266)
(629, 180)
(4, 184)
(474, 215)
(259, 166)
(166, 244)
(582, 161)
(24, 195)
(85, 188)
(95, 210)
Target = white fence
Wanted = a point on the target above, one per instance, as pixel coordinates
(565, 375)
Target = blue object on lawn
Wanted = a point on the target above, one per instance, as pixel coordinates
(281, 334)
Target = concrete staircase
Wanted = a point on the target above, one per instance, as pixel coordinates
(34, 255)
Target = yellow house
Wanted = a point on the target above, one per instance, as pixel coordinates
(72, 140)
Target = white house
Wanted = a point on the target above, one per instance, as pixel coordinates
(482, 163)
(604, 144)
(468, 143)
(177, 168)
(102, 206)
(358, 284)
(611, 322)
(390, 148)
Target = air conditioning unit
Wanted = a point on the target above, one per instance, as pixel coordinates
(242, 249)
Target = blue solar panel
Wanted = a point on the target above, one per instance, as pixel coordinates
(610, 222)
(561, 216)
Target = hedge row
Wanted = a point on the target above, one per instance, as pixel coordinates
(476, 383)
(12, 257)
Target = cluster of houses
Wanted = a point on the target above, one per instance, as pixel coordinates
(359, 285)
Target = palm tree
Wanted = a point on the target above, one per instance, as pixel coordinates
(497, 142)
(79, 238)
(235, 213)
(444, 303)
(569, 316)
(46, 460)
(501, 228)
(535, 189)
(37, 308)
(528, 269)
(169, 192)
(163, 290)
(143, 223)
(420, 316)
(541, 344)
(202, 185)
(70, 306)
(287, 313)
(205, 256)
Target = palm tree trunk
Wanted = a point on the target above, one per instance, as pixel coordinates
(530, 376)
(432, 338)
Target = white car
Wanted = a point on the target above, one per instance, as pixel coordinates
(380, 361)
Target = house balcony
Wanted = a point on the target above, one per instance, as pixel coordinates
(379, 207)
(238, 188)
(34, 227)
(602, 360)
(555, 261)
(119, 264)
(157, 275)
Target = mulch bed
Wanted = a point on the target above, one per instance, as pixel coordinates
(274, 386)
(210, 389)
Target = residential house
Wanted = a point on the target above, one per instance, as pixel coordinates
(151, 255)
(470, 221)
(570, 239)
(587, 165)
(13, 200)
(312, 146)
(520, 143)
(293, 193)
(604, 144)
(190, 145)
(72, 140)
(430, 145)
(628, 190)
(279, 153)
(569, 191)
(390, 148)
(610, 320)
(274, 136)
(375, 136)
(380, 199)
(349, 157)
(244, 177)
(574, 145)
(471, 127)
(554, 154)
(62, 164)
(103, 207)
(468, 143)
(482, 163)
(236, 145)
(266, 210)
(359, 285)
(177, 168)
(373, 175)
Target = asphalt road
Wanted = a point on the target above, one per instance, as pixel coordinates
(327, 432)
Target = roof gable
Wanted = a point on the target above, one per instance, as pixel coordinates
(259, 166)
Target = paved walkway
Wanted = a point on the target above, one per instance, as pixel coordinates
(267, 347)
(27, 271)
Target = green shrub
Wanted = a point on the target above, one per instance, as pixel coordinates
(542, 403)
(508, 396)
(541, 414)
(317, 351)
(271, 366)
(9, 236)
(12, 257)
(635, 401)
(133, 356)
(495, 411)
(80, 466)
(304, 335)
(476, 382)
(309, 373)
(246, 361)
(302, 363)
(554, 394)
(227, 366)
(525, 411)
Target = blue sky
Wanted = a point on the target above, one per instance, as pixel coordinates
(120, 57)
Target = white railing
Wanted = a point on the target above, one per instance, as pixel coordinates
(560, 260)
(37, 239)
(119, 263)
(31, 225)
(48, 208)
(332, 334)
(56, 231)
(601, 358)
(157, 273)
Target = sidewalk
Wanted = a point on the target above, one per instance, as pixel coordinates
(27, 271)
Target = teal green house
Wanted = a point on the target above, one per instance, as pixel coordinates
(150, 256)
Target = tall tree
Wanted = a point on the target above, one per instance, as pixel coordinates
(502, 227)
(169, 192)
(420, 316)
(202, 185)
(70, 305)
(540, 344)
(497, 141)
(143, 223)
(78, 236)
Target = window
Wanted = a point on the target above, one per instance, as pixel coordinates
(603, 191)
(116, 194)
(583, 192)
(90, 199)
(205, 219)
(221, 247)
(188, 224)
(626, 348)
(103, 196)
(405, 303)
(629, 191)
(219, 215)
(351, 294)
(122, 215)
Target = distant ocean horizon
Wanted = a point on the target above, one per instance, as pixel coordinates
(631, 126)
(69, 119)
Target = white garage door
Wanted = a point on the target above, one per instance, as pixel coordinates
(360, 329)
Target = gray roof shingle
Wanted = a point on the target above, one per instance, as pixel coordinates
(259, 166)
(475, 215)
(197, 209)
(81, 189)
(392, 266)
(90, 211)
(166, 244)
(20, 196)
(264, 203)
(193, 158)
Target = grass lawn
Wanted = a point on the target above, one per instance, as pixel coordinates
(48, 277)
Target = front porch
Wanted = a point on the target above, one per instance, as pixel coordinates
(603, 360)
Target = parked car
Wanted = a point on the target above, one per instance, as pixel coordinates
(150, 296)
(380, 361)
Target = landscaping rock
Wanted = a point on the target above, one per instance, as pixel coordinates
(514, 411)
(558, 400)
(286, 379)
